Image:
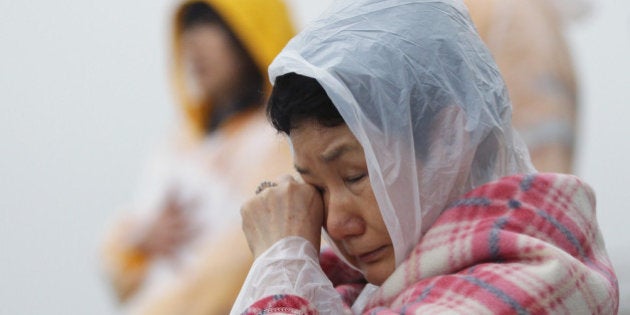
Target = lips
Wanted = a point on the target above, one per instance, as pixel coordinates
(372, 256)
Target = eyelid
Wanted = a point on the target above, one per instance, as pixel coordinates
(356, 178)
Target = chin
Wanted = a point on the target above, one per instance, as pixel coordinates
(376, 279)
(378, 273)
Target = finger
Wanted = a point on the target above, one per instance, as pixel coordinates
(286, 178)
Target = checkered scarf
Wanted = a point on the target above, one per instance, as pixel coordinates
(520, 245)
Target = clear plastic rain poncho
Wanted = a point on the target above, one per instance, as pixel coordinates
(422, 94)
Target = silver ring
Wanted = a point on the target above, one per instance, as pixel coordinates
(264, 185)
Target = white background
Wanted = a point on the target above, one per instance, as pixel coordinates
(84, 97)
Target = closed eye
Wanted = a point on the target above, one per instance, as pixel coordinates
(355, 179)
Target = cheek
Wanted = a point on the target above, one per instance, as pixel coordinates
(350, 259)
(372, 210)
(226, 63)
(212, 49)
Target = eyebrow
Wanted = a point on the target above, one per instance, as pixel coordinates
(329, 156)
(334, 153)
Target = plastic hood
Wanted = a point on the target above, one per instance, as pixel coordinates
(423, 96)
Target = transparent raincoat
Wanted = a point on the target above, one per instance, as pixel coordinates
(423, 96)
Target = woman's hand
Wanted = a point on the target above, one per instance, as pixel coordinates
(289, 209)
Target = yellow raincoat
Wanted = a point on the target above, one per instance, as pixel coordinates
(210, 175)
(528, 43)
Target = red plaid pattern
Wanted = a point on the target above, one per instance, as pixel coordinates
(520, 245)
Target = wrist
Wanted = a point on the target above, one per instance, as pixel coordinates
(291, 247)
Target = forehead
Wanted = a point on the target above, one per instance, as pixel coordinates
(313, 140)
(203, 31)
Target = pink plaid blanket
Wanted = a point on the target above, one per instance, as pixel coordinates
(520, 245)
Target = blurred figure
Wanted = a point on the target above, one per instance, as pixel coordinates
(181, 251)
(528, 42)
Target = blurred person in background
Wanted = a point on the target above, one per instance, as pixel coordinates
(528, 42)
(181, 249)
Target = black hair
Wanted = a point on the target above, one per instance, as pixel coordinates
(250, 94)
(295, 99)
(199, 13)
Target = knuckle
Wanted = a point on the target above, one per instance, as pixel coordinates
(247, 207)
(285, 178)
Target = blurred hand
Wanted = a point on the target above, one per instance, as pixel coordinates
(289, 209)
(170, 230)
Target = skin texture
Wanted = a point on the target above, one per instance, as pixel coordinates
(289, 209)
(214, 65)
(335, 193)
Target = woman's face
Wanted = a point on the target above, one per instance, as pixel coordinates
(332, 160)
(210, 54)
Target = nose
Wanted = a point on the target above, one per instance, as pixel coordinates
(343, 218)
